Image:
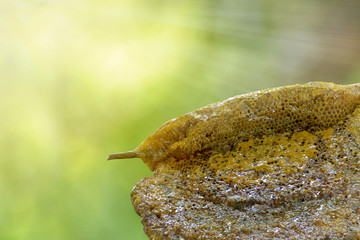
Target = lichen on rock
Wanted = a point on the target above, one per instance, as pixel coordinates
(297, 178)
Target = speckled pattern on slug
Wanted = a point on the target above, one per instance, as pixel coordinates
(218, 127)
(295, 180)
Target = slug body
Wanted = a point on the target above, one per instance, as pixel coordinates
(219, 126)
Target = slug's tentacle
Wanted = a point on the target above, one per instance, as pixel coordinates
(218, 126)
(124, 155)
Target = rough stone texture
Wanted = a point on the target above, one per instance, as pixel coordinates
(301, 183)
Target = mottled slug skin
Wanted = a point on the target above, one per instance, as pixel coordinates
(219, 126)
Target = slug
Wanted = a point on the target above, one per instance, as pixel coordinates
(218, 127)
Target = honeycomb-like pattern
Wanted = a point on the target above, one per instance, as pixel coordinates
(289, 185)
(292, 108)
(218, 127)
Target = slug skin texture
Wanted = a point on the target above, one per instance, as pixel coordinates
(220, 126)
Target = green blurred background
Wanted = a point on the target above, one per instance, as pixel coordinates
(82, 79)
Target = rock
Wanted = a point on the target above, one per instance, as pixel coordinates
(294, 184)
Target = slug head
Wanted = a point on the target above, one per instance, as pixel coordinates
(157, 147)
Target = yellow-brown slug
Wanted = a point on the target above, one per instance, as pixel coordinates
(218, 127)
